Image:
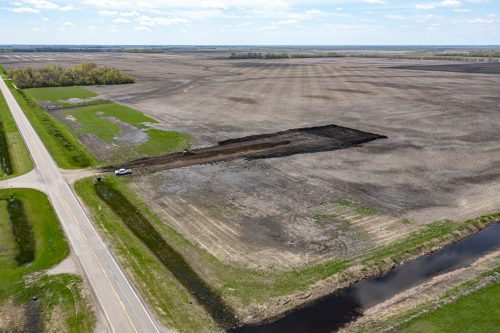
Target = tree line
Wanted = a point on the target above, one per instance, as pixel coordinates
(85, 74)
(282, 55)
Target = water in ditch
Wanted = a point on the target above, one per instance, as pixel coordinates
(5, 162)
(335, 310)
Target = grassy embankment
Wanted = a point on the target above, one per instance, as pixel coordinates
(62, 145)
(21, 277)
(14, 157)
(478, 312)
(93, 117)
(238, 286)
(473, 306)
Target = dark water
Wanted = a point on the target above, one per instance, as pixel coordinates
(5, 162)
(338, 309)
(34, 317)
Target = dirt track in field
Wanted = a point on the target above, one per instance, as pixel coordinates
(441, 159)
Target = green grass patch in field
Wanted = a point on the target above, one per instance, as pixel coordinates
(14, 157)
(93, 121)
(64, 307)
(478, 312)
(349, 203)
(56, 94)
(121, 112)
(83, 104)
(405, 221)
(163, 142)
(62, 145)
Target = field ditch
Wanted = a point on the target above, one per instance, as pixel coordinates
(172, 260)
(5, 163)
(22, 230)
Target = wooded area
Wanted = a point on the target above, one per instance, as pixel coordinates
(85, 74)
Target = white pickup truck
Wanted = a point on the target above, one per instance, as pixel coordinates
(123, 172)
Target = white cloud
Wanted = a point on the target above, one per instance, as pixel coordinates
(25, 10)
(45, 5)
(142, 28)
(434, 5)
(121, 20)
(108, 12)
(488, 19)
(67, 24)
(156, 21)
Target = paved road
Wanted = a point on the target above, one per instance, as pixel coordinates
(118, 300)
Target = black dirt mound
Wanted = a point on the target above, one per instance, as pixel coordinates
(273, 145)
(306, 140)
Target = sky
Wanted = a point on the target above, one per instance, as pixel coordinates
(251, 22)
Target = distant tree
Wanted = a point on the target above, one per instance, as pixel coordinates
(55, 76)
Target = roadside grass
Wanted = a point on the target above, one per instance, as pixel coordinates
(169, 299)
(12, 146)
(50, 244)
(478, 312)
(66, 150)
(64, 307)
(56, 94)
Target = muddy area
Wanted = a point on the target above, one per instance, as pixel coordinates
(475, 68)
(344, 306)
(129, 135)
(273, 145)
(34, 316)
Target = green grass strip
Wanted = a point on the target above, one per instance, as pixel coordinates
(56, 94)
(14, 157)
(478, 312)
